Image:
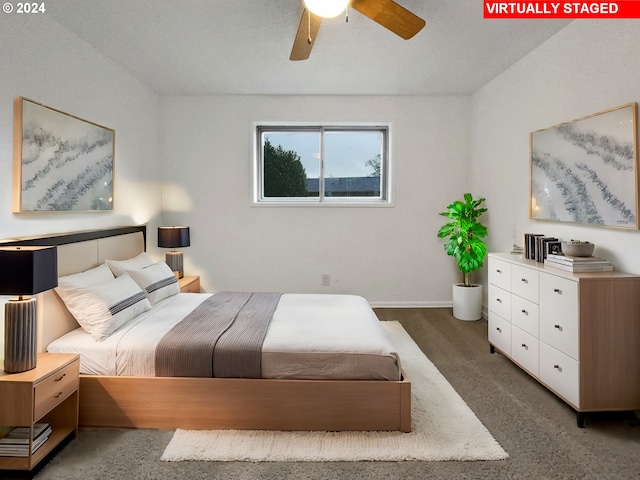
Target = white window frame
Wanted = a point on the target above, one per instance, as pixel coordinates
(385, 198)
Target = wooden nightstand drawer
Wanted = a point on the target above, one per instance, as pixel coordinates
(189, 284)
(55, 388)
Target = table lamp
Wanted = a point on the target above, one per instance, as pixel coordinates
(174, 237)
(24, 271)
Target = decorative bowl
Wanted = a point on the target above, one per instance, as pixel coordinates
(578, 249)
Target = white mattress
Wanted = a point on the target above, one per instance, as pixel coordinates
(311, 336)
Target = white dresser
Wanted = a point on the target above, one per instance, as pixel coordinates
(577, 333)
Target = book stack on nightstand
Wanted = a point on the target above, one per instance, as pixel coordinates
(14, 441)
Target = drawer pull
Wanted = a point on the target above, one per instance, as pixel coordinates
(60, 378)
(558, 368)
(525, 312)
(558, 291)
(499, 329)
(498, 270)
(559, 327)
(524, 280)
(57, 395)
(524, 345)
(498, 300)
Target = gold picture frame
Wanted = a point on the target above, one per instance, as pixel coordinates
(61, 162)
(586, 170)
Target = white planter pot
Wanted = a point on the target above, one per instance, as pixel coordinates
(467, 302)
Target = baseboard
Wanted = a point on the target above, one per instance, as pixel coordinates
(411, 304)
(421, 305)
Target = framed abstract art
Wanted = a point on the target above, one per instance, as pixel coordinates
(586, 170)
(60, 162)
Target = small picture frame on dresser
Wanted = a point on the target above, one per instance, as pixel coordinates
(553, 248)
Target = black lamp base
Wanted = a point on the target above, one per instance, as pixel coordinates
(20, 335)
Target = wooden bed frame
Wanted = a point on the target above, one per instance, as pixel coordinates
(207, 403)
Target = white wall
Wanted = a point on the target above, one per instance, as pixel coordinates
(388, 254)
(42, 61)
(587, 67)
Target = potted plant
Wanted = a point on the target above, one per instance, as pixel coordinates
(464, 235)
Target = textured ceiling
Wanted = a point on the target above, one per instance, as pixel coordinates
(200, 47)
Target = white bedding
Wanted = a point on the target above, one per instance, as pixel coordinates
(311, 336)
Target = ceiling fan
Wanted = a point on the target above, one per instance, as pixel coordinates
(385, 12)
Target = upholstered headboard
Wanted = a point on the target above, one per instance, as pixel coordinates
(77, 252)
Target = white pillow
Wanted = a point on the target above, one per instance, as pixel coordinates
(157, 281)
(118, 267)
(88, 277)
(102, 308)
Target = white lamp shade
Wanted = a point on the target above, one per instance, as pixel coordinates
(326, 8)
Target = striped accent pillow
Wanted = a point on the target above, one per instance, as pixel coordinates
(102, 308)
(157, 281)
(122, 305)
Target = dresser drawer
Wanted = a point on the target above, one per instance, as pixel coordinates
(55, 388)
(524, 315)
(500, 273)
(559, 314)
(524, 350)
(500, 302)
(524, 283)
(500, 333)
(559, 372)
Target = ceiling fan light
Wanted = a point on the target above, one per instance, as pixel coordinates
(326, 8)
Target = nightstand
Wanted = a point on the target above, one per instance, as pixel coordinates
(48, 394)
(189, 284)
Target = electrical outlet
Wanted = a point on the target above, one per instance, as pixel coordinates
(326, 280)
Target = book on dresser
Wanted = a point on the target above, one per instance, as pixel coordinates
(15, 440)
(541, 247)
(530, 244)
(578, 264)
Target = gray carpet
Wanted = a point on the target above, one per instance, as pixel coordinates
(537, 430)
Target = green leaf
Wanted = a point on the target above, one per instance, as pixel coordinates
(464, 233)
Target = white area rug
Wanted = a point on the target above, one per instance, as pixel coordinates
(443, 428)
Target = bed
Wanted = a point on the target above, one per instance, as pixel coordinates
(121, 392)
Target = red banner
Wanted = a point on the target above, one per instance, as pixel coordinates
(562, 9)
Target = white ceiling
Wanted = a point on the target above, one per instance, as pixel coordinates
(200, 47)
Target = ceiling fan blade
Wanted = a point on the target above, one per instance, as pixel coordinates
(391, 16)
(305, 37)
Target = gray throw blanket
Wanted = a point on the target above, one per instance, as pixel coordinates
(222, 337)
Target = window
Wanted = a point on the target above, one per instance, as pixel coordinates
(322, 164)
